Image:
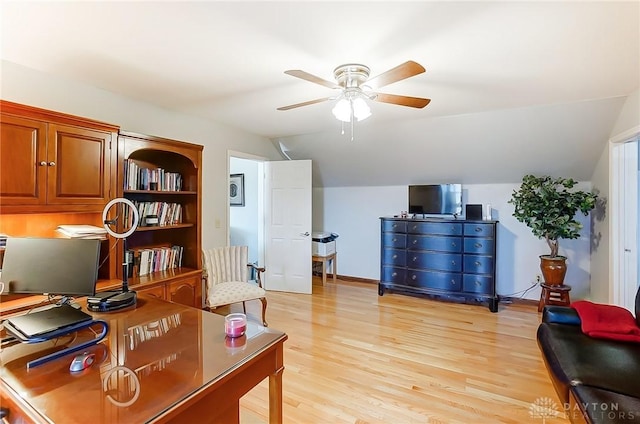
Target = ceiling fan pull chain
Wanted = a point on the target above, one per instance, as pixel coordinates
(352, 123)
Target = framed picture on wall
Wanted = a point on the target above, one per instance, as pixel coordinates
(236, 190)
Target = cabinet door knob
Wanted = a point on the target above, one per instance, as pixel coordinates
(478, 229)
(478, 245)
(52, 163)
(478, 263)
(43, 163)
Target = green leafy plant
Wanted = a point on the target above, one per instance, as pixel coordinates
(549, 205)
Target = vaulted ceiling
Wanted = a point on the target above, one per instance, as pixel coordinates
(515, 86)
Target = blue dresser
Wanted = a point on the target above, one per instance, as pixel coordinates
(454, 258)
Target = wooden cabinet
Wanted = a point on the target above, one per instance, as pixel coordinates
(181, 165)
(450, 258)
(51, 162)
(182, 287)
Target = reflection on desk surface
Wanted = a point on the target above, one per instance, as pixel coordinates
(156, 355)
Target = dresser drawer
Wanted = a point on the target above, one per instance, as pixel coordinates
(441, 243)
(481, 284)
(394, 226)
(443, 228)
(478, 245)
(478, 264)
(394, 257)
(480, 230)
(435, 261)
(393, 275)
(394, 240)
(434, 280)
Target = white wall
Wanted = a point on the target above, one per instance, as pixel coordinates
(600, 270)
(354, 212)
(27, 86)
(243, 220)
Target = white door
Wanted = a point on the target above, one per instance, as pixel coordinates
(624, 219)
(288, 226)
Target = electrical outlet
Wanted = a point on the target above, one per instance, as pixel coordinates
(538, 278)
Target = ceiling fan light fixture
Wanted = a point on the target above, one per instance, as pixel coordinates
(361, 109)
(357, 108)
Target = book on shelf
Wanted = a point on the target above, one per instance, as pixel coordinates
(167, 213)
(158, 258)
(155, 179)
(82, 232)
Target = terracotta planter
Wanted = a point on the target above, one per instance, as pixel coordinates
(553, 269)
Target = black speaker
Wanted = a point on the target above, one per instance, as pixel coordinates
(473, 212)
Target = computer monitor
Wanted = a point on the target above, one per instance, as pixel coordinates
(58, 266)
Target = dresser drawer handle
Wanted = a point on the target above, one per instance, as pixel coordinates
(415, 258)
(395, 274)
(414, 227)
(394, 239)
(394, 225)
(478, 245)
(453, 229)
(478, 263)
(453, 282)
(478, 229)
(394, 257)
(453, 244)
(413, 277)
(478, 283)
(453, 262)
(415, 242)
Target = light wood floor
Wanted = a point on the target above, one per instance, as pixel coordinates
(355, 357)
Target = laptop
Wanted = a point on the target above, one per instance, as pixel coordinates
(42, 322)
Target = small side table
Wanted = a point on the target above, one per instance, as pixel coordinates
(554, 295)
(333, 259)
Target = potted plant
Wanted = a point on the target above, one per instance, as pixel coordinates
(548, 206)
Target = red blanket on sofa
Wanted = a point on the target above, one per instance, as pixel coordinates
(607, 321)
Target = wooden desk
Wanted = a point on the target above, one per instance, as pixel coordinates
(332, 259)
(161, 362)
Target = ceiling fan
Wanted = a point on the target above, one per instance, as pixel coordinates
(353, 81)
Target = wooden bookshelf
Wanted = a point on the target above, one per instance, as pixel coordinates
(152, 153)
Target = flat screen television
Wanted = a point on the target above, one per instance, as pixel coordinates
(54, 266)
(435, 199)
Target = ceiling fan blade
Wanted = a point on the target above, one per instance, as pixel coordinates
(417, 102)
(310, 102)
(312, 78)
(400, 72)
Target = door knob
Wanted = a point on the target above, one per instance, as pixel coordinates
(305, 234)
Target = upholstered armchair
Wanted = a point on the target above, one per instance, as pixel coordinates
(226, 276)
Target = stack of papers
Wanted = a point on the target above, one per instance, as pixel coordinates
(82, 232)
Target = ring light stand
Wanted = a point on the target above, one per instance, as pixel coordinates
(115, 300)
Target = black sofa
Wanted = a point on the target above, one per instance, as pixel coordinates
(597, 380)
